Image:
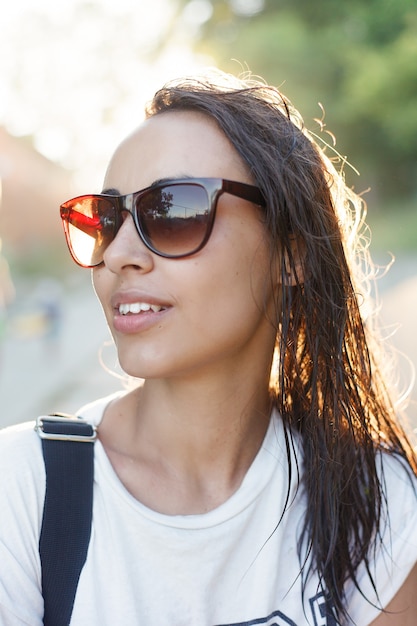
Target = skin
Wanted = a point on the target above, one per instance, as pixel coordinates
(182, 442)
(402, 609)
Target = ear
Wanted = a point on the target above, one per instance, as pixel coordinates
(294, 263)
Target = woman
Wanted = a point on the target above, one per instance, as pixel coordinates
(258, 474)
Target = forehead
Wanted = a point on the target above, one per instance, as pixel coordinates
(171, 145)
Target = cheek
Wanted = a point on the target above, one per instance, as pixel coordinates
(233, 289)
(99, 285)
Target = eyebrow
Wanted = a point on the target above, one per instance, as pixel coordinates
(112, 191)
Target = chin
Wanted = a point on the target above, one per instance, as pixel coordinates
(142, 368)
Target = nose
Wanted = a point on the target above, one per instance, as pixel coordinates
(127, 249)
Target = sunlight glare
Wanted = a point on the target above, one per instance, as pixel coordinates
(76, 74)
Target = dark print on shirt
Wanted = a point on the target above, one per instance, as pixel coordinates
(321, 612)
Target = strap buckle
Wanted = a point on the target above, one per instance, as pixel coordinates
(79, 437)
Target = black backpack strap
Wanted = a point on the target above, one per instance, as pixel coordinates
(68, 450)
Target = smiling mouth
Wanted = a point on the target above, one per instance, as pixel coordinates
(135, 308)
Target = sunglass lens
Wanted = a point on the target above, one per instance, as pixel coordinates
(174, 218)
(89, 224)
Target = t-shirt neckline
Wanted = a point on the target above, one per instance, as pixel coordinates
(271, 457)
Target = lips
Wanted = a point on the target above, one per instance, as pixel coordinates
(135, 312)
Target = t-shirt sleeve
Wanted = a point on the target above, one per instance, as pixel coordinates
(22, 490)
(396, 555)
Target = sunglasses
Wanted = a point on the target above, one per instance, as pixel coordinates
(173, 218)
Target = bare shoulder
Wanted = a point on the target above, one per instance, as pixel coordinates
(402, 609)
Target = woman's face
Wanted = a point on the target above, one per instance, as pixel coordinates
(207, 310)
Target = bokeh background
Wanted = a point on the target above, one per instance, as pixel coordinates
(74, 77)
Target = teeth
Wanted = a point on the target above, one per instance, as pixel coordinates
(137, 307)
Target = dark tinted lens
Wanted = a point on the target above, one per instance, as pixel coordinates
(174, 218)
(90, 224)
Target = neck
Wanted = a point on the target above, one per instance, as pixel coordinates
(202, 436)
(199, 422)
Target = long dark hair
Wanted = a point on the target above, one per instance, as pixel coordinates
(327, 383)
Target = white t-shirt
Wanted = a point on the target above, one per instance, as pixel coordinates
(236, 565)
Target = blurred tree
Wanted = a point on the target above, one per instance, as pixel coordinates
(359, 59)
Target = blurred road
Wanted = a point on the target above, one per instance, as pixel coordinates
(42, 372)
(60, 371)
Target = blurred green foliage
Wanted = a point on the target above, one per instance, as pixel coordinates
(394, 229)
(357, 58)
